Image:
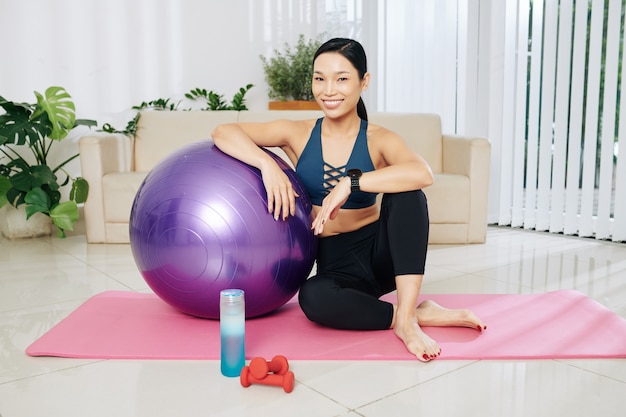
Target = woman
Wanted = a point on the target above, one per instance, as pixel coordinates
(343, 162)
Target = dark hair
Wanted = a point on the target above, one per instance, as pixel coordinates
(353, 51)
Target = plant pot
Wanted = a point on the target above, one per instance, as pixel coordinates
(294, 105)
(13, 223)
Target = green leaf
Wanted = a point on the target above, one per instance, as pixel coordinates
(216, 101)
(22, 181)
(16, 126)
(239, 102)
(43, 175)
(37, 201)
(58, 105)
(33, 177)
(64, 216)
(5, 186)
(80, 190)
(15, 197)
(85, 122)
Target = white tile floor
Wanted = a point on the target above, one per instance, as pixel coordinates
(41, 281)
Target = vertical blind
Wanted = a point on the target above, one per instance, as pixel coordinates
(542, 80)
(563, 172)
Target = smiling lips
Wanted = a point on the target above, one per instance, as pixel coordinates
(331, 104)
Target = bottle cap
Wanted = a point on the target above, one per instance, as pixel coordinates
(232, 295)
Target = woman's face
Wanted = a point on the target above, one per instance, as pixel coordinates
(336, 84)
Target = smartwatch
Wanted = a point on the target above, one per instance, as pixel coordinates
(354, 175)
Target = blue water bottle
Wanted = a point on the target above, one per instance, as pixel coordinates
(232, 331)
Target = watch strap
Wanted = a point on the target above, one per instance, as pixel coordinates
(354, 184)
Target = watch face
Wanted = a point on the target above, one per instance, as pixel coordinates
(354, 173)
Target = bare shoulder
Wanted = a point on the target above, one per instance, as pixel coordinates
(296, 134)
(296, 128)
(278, 132)
(387, 147)
(378, 136)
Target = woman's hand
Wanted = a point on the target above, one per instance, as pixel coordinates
(331, 205)
(281, 197)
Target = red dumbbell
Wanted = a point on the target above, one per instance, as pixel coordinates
(281, 377)
(259, 367)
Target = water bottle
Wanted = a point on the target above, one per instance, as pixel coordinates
(232, 331)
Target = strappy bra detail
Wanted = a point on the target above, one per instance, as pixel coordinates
(319, 177)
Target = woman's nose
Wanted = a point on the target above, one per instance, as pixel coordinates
(329, 88)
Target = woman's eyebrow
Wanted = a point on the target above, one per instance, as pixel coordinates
(336, 72)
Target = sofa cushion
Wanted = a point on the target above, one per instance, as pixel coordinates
(120, 189)
(449, 199)
(159, 133)
(422, 133)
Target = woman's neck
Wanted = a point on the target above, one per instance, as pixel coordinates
(344, 126)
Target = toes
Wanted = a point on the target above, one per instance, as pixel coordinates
(427, 357)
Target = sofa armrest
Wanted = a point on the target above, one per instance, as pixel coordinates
(471, 157)
(101, 155)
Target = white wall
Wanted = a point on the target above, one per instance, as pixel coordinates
(113, 54)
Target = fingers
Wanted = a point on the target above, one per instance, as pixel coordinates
(281, 201)
(322, 217)
(281, 197)
(318, 225)
(331, 205)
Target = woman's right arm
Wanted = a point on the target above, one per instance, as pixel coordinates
(243, 141)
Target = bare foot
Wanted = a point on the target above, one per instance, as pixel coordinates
(429, 313)
(416, 341)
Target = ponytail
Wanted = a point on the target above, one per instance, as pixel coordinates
(360, 109)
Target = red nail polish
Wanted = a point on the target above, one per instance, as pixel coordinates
(425, 356)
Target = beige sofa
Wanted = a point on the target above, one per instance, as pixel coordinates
(115, 166)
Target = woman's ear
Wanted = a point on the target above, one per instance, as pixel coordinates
(365, 81)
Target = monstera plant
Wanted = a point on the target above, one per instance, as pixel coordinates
(27, 134)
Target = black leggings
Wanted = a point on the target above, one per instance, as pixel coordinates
(355, 269)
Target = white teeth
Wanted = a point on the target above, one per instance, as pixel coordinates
(333, 102)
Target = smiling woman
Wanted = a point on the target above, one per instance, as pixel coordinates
(344, 162)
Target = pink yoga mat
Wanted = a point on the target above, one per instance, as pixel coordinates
(125, 325)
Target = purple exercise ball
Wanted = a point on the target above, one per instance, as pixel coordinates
(199, 224)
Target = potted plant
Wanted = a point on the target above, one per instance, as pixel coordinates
(289, 74)
(210, 99)
(27, 133)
